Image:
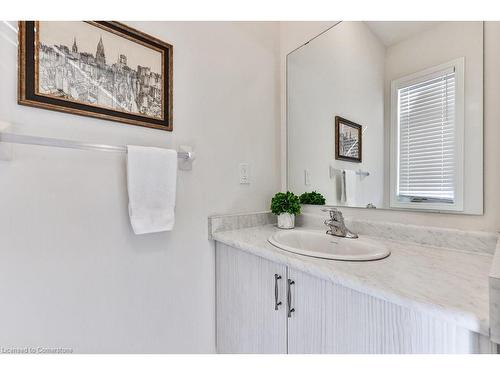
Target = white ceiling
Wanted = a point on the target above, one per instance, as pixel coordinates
(392, 32)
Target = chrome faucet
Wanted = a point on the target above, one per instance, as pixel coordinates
(336, 224)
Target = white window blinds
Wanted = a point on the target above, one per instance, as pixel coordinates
(427, 132)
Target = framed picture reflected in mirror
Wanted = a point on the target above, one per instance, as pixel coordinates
(348, 140)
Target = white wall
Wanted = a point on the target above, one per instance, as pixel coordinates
(72, 273)
(317, 93)
(490, 220)
(443, 43)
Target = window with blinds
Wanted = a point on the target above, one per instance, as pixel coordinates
(427, 152)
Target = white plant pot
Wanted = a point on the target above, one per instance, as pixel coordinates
(286, 221)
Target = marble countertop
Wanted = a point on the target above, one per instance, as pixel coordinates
(446, 283)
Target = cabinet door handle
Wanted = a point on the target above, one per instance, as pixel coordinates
(289, 298)
(276, 291)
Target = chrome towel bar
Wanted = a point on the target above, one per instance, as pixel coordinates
(63, 143)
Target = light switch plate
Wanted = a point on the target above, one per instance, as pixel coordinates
(244, 170)
(307, 177)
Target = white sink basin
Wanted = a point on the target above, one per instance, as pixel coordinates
(318, 244)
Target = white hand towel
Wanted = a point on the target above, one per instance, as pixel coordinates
(343, 187)
(350, 187)
(151, 181)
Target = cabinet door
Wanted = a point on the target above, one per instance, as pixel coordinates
(247, 318)
(330, 318)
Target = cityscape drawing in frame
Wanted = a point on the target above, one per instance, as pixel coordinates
(348, 140)
(102, 69)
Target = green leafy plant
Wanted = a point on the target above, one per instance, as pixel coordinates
(312, 198)
(285, 202)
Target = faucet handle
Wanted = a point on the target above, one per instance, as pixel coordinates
(329, 209)
(335, 213)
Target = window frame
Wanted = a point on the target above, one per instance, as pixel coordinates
(459, 66)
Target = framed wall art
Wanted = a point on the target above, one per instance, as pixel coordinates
(348, 140)
(102, 69)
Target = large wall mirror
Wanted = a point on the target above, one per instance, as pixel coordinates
(389, 115)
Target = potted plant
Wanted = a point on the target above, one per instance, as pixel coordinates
(285, 206)
(313, 197)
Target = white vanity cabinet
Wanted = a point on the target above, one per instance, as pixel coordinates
(248, 290)
(318, 316)
(331, 318)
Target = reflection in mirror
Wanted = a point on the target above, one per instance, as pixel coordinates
(389, 115)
